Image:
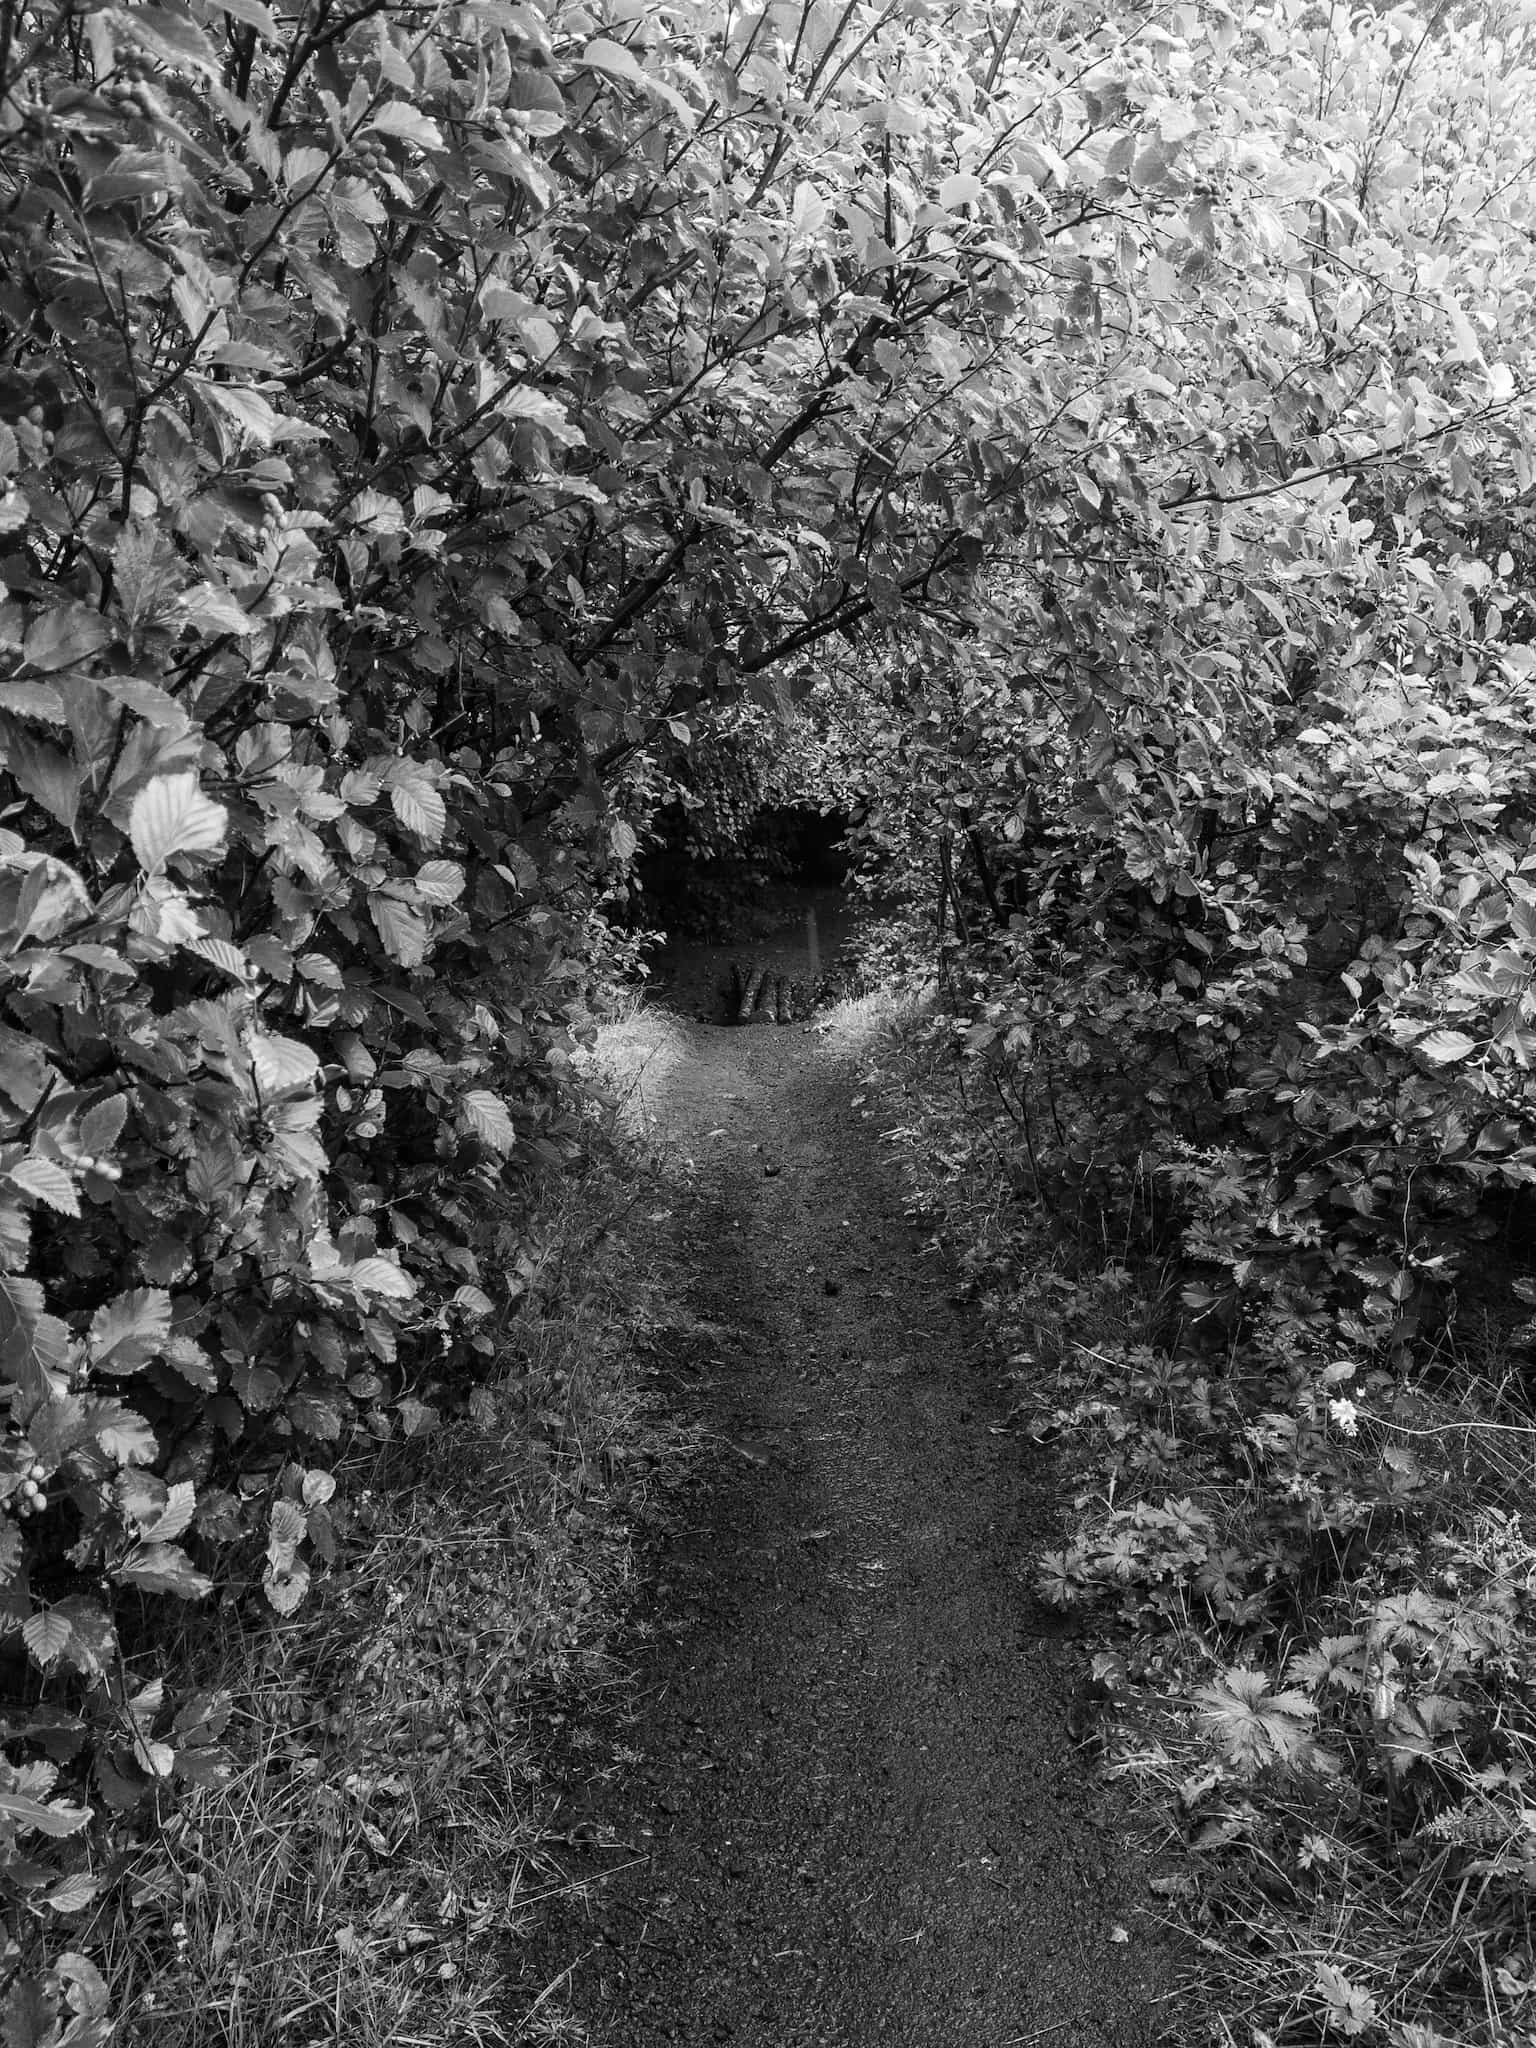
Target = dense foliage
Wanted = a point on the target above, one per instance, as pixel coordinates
(416, 418)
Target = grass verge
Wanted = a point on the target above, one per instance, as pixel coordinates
(1309, 1596)
(368, 1870)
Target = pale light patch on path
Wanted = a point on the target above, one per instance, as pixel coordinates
(857, 1821)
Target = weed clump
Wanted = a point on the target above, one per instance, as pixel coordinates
(1309, 1571)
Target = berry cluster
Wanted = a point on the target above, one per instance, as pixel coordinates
(31, 1500)
(370, 157)
(31, 430)
(506, 123)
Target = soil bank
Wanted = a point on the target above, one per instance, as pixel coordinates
(856, 1819)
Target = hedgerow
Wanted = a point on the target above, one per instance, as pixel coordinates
(417, 421)
(408, 416)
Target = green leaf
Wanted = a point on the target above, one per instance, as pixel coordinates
(171, 816)
(1445, 1046)
(46, 1181)
(405, 933)
(411, 126)
(611, 58)
(124, 1436)
(32, 700)
(285, 1588)
(74, 1893)
(381, 1277)
(32, 1816)
(175, 1518)
(282, 1064)
(33, 1345)
(50, 778)
(46, 1636)
(488, 1117)
(256, 1387)
(253, 12)
(163, 1568)
(87, 1988)
(420, 808)
(440, 881)
(130, 1331)
(102, 1125)
(28, 2017)
(64, 636)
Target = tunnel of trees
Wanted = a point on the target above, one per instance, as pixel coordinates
(452, 454)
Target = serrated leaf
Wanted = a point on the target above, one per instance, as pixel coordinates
(611, 58)
(175, 1518)
(420, 809)
(188, 1358)
(405, 933)
(128, 1332)
(50, 778)
(163, 1568)
(256, 1387)
(171, 816)
(93, 1640)
(46, 1636)
(153, 704)
(287, 1528)
(102, 1125)
(417, 1418)
(488, 1117)
(440, 881)
(32, 700)
(221, 954)
(248, 417)
(381, 1277)
(55, 1819)
(1445, 1046)
(64, 636)
(285, 1590)
(27, 2017)
(51, 899)
(281, 1064)
(88, 1993)
(212, 609)
(74, 1893)
(46, 1181)
(962, 189)
(259, 17)
(398, 119)
(33, 1345)
(125, 1437)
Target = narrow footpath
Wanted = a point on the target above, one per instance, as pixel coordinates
(857, 1820)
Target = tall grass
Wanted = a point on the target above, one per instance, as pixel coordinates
(368, 1873)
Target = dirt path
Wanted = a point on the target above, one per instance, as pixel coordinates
(857, 1818)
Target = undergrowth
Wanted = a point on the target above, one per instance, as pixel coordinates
(367, 1864)
(1311, 1584)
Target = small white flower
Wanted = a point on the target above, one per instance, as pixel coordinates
(1346, 1416)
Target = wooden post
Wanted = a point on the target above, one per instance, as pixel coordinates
(750, 994)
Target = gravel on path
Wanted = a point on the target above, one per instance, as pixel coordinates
(858, 1820)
